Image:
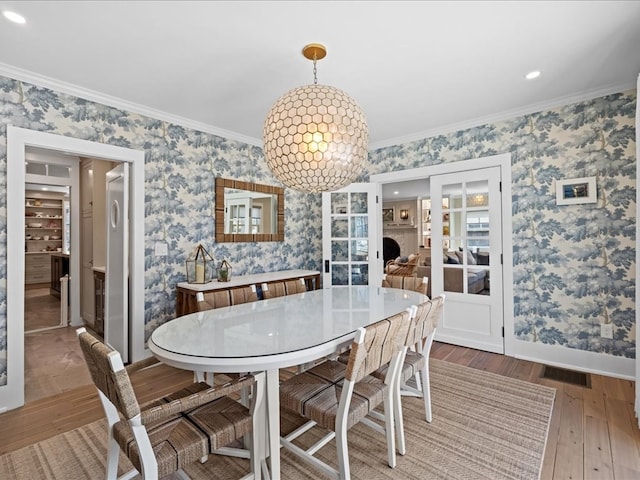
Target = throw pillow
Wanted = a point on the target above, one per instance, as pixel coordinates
(471, 259)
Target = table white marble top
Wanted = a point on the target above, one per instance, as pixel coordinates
(283, 325)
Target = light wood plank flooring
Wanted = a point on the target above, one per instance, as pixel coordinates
(593, 432)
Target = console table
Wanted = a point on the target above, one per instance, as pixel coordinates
(186, 301)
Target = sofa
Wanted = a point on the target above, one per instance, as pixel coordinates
(477, 279)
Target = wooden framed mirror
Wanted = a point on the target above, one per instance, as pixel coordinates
(248, 212)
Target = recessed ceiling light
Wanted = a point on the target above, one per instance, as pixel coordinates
(396, 193)
(532, 75)
(14, 17)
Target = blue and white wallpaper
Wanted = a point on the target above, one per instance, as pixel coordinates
(574, 265)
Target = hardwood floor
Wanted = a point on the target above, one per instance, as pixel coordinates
(53, 362)
(593, 432)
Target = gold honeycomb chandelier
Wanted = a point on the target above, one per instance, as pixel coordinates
(315, 136)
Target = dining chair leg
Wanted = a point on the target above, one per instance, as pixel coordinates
(113, 452)
(399, 420)
(273, 420)
(390, 430)
(113, 449)
(256, 437)
(343, 454)
(426, 381)
(426, 392)
(254, 455)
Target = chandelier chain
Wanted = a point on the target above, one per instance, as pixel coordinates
(315, 70)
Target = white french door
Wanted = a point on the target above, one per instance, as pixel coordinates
(466, 257)
(351, 233)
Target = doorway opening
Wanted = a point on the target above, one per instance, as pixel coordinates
(18, 141)
(53, 361)
(442, 212)
(46, 251)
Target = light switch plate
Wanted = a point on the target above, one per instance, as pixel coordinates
(161, 250)
(606, 330)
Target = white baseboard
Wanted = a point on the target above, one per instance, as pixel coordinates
(571, 358)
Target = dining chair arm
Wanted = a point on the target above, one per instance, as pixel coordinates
(174, 407)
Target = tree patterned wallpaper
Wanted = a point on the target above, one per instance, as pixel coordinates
(573, 265)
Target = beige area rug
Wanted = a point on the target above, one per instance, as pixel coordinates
(485, 426)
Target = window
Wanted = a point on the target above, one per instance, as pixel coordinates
(478, 230)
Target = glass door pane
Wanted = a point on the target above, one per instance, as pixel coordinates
(348, 225)
(465, 233)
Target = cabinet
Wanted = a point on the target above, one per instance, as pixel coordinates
(37, 268)
(98, 281)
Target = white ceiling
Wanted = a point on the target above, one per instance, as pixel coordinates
(416, 68)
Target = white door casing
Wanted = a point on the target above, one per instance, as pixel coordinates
(352, 236)
(12, 392)
(87, 297)
(503, 161)
(471, 318)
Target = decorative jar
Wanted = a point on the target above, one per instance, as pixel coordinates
(224, 271)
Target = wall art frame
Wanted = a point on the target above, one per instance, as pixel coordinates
(573, 191)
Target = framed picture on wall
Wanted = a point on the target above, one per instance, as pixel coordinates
(573, 191)
(387, 214)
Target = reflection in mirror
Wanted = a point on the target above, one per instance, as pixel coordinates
(248, 212)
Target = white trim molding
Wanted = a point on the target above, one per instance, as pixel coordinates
(102, 98)
(505, 115)
(574, 359)
(115, 102)
(18, 139)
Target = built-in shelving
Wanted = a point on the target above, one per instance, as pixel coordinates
(43, 235)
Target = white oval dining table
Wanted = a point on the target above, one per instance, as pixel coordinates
(276, 333)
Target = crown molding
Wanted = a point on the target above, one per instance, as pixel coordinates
(505, 115)
(94, 96)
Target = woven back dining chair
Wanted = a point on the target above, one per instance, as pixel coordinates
(166, 435)
(218, 298)
(336, 396)
(297, 285)
(416, 284)
(415, 364)
(244, 295)
(416, 361)
(273, 290)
